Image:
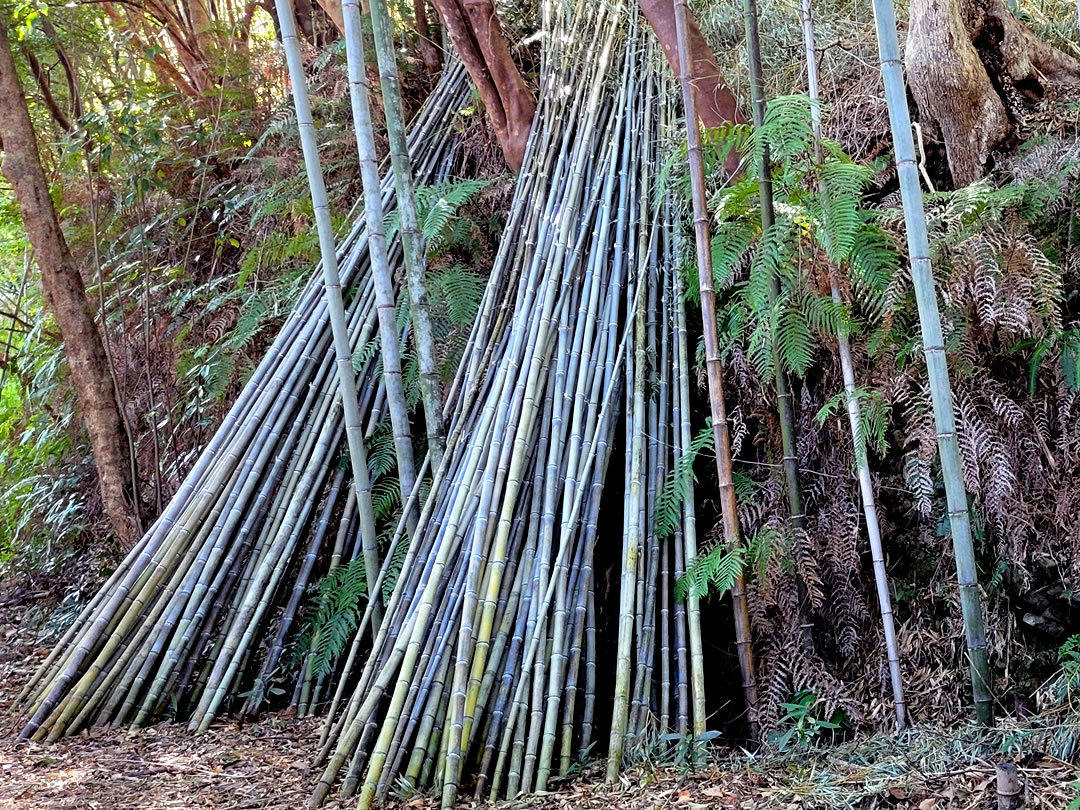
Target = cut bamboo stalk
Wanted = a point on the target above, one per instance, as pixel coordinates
(715, 371)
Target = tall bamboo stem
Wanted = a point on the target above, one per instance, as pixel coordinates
(411, 237)
(354, 429)
(936, 363)
(380, 263)
(784, 400)
(866, 486)
(715, 371)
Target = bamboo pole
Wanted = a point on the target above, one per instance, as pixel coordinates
(862, 462)
(380, 263)
(354, 429)
(411, 238)
(784, 400)
(715, 371)
(936, 363)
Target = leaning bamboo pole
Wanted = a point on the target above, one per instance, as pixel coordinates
(380, 262)
(715, 371)
(354, 428)
(847, 367)
(181, 614)
(936, 362)
(486, 662)
(411, 237)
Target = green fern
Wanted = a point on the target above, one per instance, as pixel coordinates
(818, 213)
(873, 419)
(382, 457)
(667, 514)
(714, 572)
(337, 614)
(435, 207)
(460, 292)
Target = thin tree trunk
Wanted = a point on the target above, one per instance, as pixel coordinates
(429, 51)
(69, 69)
(51, 104)
(66, 297)
(866, 486)
(934, 349)
(164, 70)
(411, 239)
(715, 371)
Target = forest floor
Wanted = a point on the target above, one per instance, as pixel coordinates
(266, 764)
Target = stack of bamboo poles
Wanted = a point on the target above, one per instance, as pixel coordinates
(483, 666)
(226, 565)
(483, 670)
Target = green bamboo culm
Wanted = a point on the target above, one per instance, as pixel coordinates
(721, 431)
(936, 367)
(411, 237)
(354, 428)
(847, 367)
(380, 264)
(784, 401)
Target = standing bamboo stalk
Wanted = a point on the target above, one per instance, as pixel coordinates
(866, 486)
(936, 365)
(411, 237)
(784, 400)
(715, 371)
(354, 429)
(380, 263)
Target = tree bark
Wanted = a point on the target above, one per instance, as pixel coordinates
(66, 297)
(716, 104)
(973, 68)
(333, 11)
(429, 51)
(164, 70)
(477, 34)
(51, 104)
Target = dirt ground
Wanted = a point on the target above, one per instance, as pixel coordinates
(267, 765)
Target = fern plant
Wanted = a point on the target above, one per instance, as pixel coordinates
(336, 615)
(819, 222)
(714, 572)
(436, 208)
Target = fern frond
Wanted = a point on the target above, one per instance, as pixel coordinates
(714, 572)
(667, 514)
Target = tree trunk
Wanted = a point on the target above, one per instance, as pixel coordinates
(973, 68)
(164, 70)
(716, 104)
(51, 104)
(476, 33)
(429, 51)
(66, 298)
(334, 12)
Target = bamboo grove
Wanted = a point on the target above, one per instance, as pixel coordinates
(435, 597)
